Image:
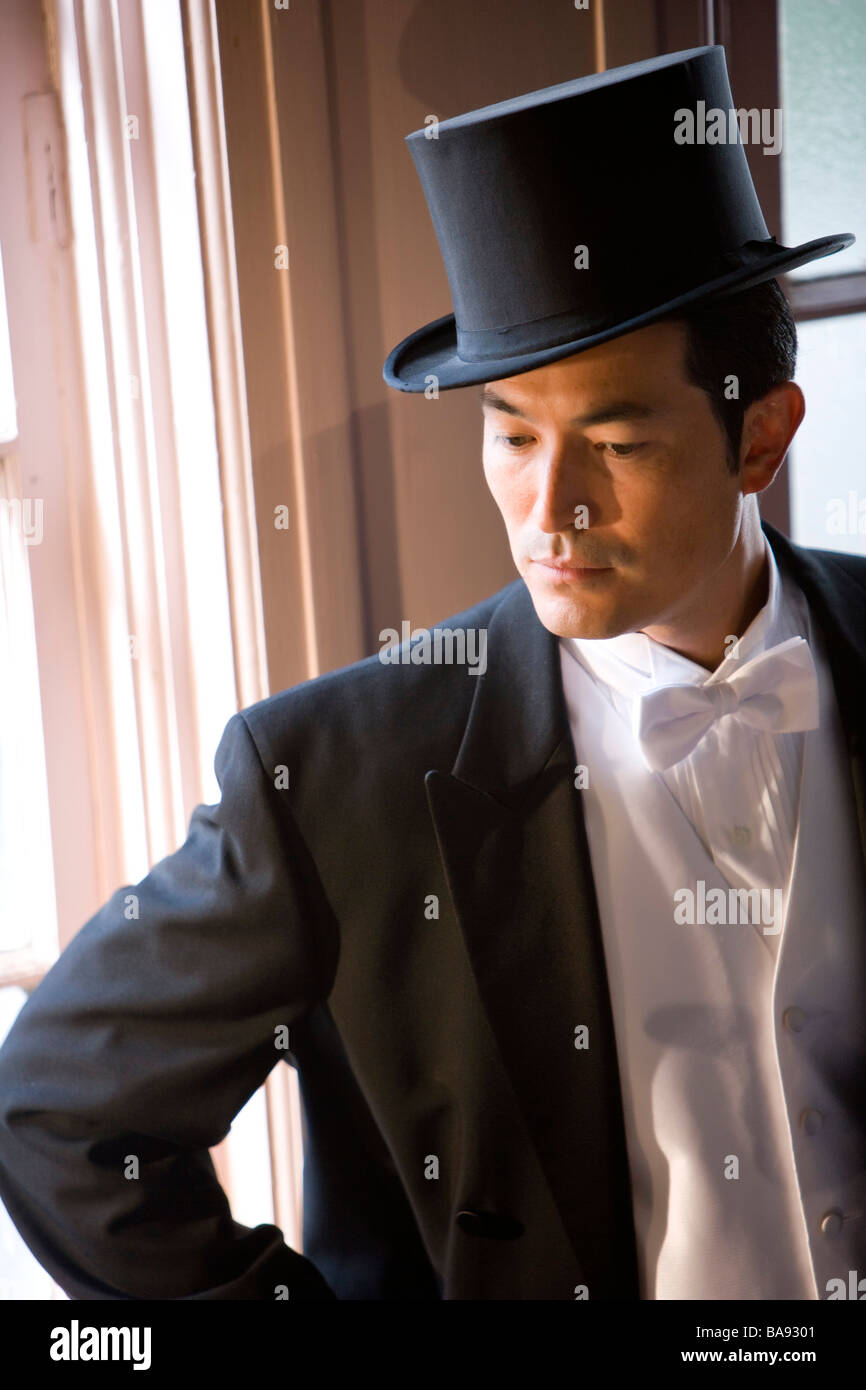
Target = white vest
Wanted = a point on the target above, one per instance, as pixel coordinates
(736, 1053)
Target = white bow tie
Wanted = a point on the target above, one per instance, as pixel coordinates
(777, 690)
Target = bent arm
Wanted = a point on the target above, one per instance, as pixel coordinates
(145, 1039)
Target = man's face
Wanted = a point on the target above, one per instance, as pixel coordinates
(620, 431)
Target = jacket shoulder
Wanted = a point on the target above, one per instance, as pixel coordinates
(375, 696)
(832, 572)
(854, 566)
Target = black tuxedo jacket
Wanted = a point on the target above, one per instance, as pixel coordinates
(458, 1145)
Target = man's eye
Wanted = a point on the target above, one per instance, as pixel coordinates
(621, 451)
(517, 442)
(514, 441)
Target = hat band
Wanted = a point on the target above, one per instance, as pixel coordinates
(554, 330)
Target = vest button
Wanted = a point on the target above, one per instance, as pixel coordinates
(812, 1121)
(831, 1223)
(794, 1019)
(495, 1225)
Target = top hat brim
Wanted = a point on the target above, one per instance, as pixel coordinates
(431, 351)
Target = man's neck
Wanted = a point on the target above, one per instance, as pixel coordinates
(739, 590)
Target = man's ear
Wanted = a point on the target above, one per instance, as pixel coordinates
(769, 425)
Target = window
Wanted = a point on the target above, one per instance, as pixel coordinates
(129, 611)
(822, 65)
(28, 918)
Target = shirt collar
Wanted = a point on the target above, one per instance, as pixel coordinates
(634, 662)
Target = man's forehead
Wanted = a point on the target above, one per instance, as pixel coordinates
(618, 408)
(627, 378)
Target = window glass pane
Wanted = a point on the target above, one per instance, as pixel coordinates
(827, 463)
(823, 97)
(27, 906)
(8, 421)
(250, 1161)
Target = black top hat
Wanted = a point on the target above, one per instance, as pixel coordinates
(626, 164)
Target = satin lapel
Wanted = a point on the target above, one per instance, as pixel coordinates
(838, 605)
(511, 834)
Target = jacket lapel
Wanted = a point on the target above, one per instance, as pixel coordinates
(510, 830)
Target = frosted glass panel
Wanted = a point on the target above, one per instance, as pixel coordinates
(27, 906)
(823, 98)
(827, 462)
(8, 420)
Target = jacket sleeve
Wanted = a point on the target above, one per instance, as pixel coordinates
(148, 1035)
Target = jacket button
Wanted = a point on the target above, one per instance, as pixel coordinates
(495, 1225)
(831, 1223)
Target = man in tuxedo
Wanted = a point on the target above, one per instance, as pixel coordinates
(568, 954)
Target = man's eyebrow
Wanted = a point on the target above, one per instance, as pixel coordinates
(614, 410)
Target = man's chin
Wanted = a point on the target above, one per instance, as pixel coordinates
(569, 617)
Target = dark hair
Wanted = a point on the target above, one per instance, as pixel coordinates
(750, 335)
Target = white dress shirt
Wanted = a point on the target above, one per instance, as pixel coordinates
(740, 787)
(748, 1176)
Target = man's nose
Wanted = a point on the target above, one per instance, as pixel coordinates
(561, 488)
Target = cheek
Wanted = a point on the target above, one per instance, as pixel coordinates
(491, 476)
(681, 530)
(676, 505)
(509, 491)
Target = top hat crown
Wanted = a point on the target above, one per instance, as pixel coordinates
(582, 211)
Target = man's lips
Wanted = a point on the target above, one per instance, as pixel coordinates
(569, 568)
(556, 571)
